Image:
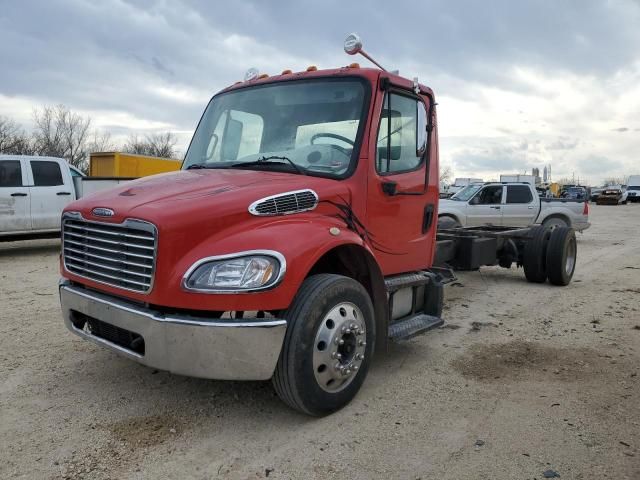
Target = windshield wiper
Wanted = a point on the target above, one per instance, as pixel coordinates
(264, 160)
(197, 166)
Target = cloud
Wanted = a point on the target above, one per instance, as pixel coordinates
(560, 77)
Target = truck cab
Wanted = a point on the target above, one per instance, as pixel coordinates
(33, 193)
(301, 197)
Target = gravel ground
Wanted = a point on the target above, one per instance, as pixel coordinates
(523, 381)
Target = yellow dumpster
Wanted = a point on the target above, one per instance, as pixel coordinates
(129, 165)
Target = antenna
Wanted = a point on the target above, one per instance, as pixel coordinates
(353, 45)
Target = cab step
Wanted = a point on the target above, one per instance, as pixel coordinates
(405, 280)
(412, 326)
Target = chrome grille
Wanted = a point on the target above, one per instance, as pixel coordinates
(120, 254)
(285, 203)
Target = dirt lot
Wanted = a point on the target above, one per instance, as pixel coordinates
(523, 379)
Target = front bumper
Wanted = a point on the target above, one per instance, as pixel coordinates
(245, 349)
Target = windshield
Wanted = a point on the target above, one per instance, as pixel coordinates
(313, 124)
(467, 192)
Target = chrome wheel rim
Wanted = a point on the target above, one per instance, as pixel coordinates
(571, 257)
(339, 347)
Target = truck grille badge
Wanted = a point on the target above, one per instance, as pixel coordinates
(102, 212)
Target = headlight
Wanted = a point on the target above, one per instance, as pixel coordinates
(246, 271)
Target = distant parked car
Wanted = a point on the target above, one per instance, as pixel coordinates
(633, 188)
(576, 193)
(595, 193)
(613, 195)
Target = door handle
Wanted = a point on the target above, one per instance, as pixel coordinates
(427, 218)
(497, 208)
(530, 207)
(63, 193)
(18, 194)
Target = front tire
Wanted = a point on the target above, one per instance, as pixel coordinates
(328, 345)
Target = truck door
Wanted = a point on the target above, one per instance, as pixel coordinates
(485, 208)
(50, 193)
(14, 197)
(519, 209)
(400, 213)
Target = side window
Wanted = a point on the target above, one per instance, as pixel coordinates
(236, 135)
(46, 174)
(519, 194)
(10, 173)
(488, 196)
(402, 134)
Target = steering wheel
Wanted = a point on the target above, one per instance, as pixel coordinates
(337, 137)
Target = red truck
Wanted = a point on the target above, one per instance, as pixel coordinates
(298, 237)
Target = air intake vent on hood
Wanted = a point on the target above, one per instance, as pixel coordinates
(285, 203)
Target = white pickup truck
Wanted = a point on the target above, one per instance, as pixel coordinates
(34, 190)
(510, 204)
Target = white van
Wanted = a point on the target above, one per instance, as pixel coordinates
(33, 192)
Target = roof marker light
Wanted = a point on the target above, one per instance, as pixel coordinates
(286, 72)
(354, 65)
(264, 75)
(312, 68)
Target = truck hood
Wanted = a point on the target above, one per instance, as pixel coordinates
(192, 192)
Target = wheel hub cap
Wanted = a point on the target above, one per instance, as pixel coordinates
(339, 347)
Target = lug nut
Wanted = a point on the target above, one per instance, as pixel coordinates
(347, 331)
(343, 329)
(362, 343)
(355, 368)
(348, 372)
(352, 326)
(341, 342)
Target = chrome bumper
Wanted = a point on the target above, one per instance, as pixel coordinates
(225, 350)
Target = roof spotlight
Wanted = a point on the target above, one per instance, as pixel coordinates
(353, 45)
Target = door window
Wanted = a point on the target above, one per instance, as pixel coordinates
(10, 173)
(46, 174)
(519, 194)
(489, 196)
(401, 135)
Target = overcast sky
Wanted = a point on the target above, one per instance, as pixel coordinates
(519, 84)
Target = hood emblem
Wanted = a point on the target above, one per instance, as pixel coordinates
(102, 212)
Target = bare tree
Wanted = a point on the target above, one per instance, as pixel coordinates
(10, 132)
(100, 141)
(446, 174)
(59, 132)
(156, 145)
(608, 182)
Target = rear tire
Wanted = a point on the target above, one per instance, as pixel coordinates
(561, 256)
(535, 255)
(309, 376)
